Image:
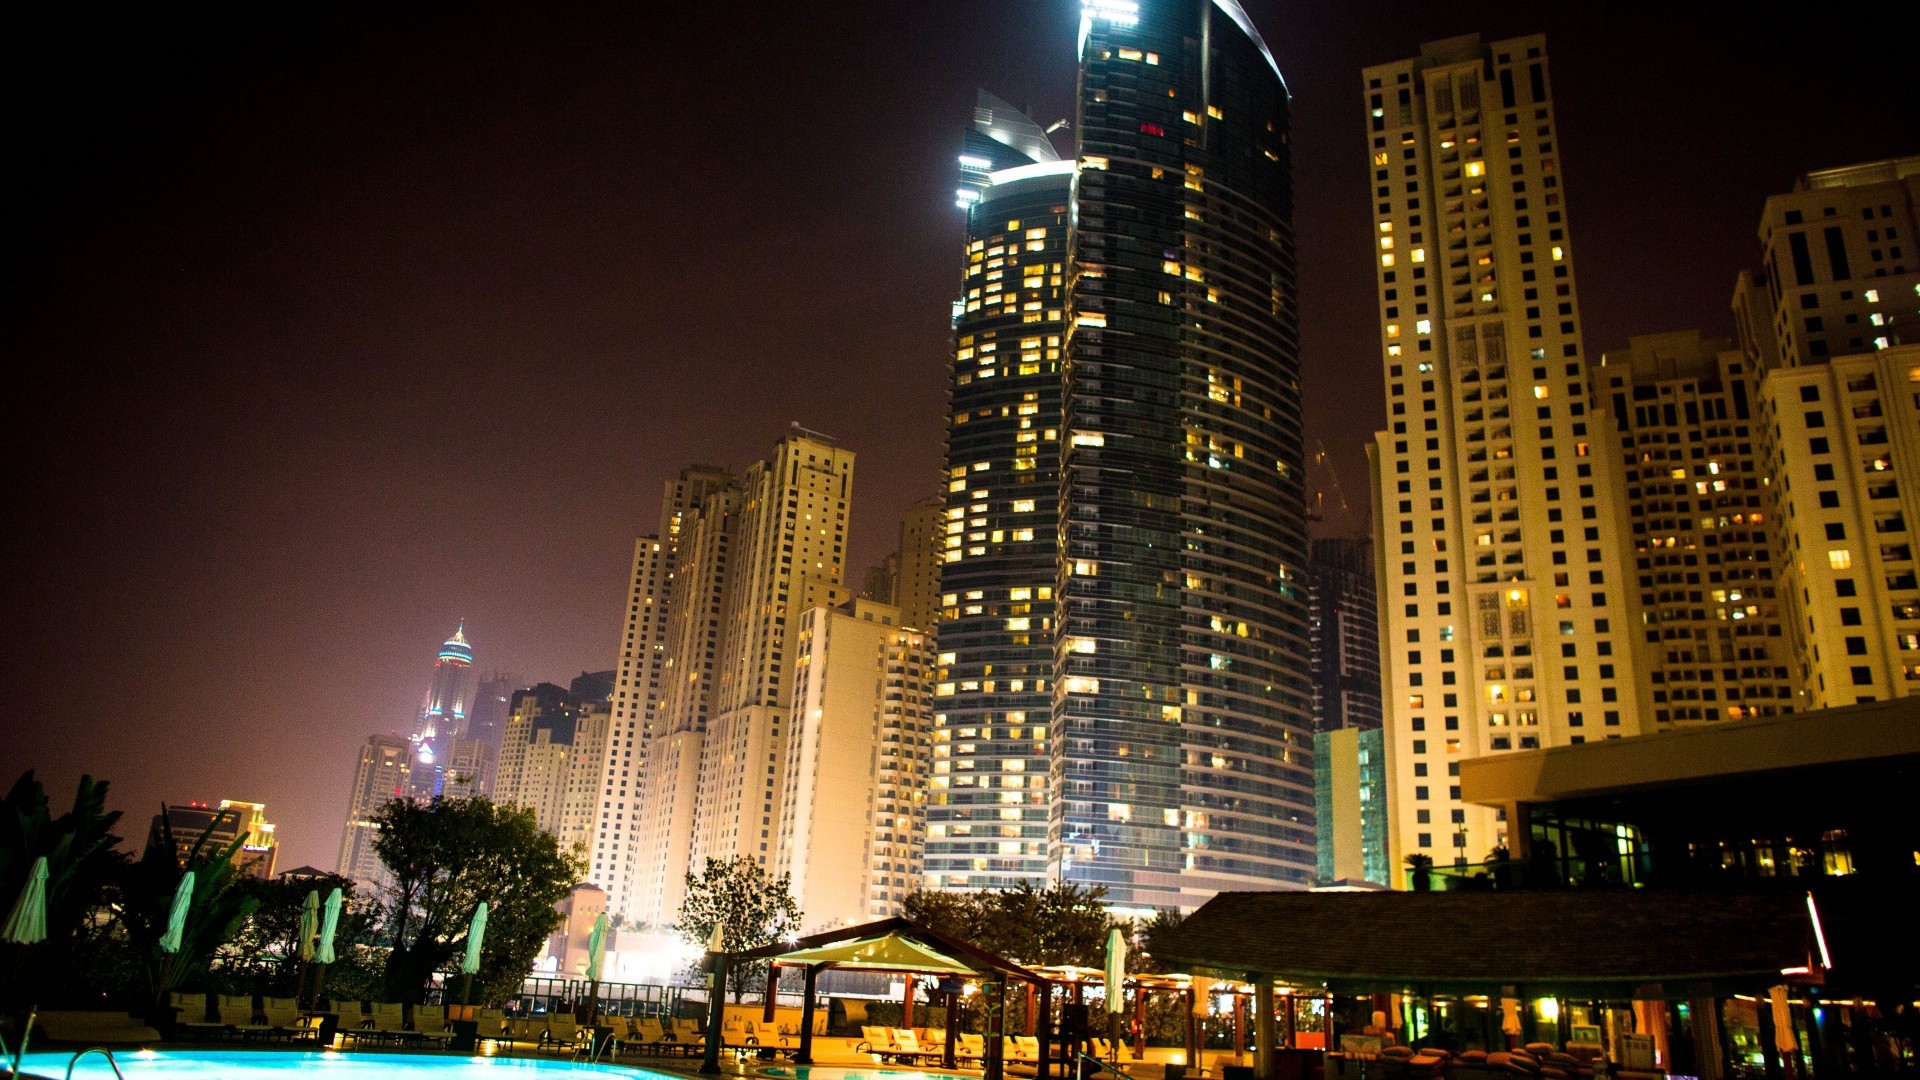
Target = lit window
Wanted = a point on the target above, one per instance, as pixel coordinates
(1840, 559)
(1424, 326)
(1475, 168)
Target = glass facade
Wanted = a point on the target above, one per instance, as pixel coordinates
(987, 802)
(1180, 750)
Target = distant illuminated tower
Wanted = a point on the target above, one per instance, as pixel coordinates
(443, 715)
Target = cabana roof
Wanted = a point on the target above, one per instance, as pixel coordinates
(1602, 942)
(895, 944)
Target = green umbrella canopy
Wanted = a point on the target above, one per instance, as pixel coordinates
(329, 924)
(27, 922)
(716, 941)
(476, 932)
(597, 947)
(309, 923)
(177, 917)
(1116, 971)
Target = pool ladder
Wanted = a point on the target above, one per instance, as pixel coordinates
(103, 1052)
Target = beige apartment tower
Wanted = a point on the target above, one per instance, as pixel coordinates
(1828, 321)
(1507, 617)
(752, 556)
(384, 771)
(613, 857)
(1713, 632)
(853, 809)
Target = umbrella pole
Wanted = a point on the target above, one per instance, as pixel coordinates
(466, 988)
(319, 981)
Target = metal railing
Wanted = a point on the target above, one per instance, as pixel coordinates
(103, 1052)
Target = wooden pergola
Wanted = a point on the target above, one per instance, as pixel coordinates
(904, 946)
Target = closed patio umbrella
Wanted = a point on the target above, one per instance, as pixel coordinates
(309, 924)
(177, 917)
(1116, 986)
(470, 963)
(323, 952)
(596, 959)
(27, 922)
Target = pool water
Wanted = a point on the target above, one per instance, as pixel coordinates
(837, 1072)
(280, 1065)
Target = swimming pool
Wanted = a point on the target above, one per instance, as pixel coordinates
(841, 1072)
(281, 1065)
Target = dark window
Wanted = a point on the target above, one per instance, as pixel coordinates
(1837, 253)
(1802, 260)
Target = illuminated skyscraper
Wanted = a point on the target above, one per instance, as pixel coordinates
(1506, 581)
(1126, 515)
(993, 701)
(443, 715)
(384, 772)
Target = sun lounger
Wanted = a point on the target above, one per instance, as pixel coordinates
(528, 1031)
(430, 1024)
(492, 1024)
(687, 1035)
(971, 1048)
(563, 1034)
(94, 1028)
(191, 1017)
(282, 1016)
(645, 1035)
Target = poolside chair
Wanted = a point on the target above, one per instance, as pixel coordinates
(764, 1034)
(529, 1031)
(492, 1024)
(192, 1019)
(237, 1011)
(1024, 1048)
(877, 1041)
(430, 1024)
(688, 1035)
(970, 1047)
(87, 1026)
(646, 1034)
(564, 1034)
(386, 1022)
(906, 1046)
(281, 1019)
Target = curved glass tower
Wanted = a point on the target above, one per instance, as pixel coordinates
(1181, 748)
(988, 800)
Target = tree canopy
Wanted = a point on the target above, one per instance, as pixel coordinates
(1060, 924)
(444, 857)
(751, 907)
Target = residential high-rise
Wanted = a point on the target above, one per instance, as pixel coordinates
(613, 860)
(1823, 322)
(443, 715)
(383, 772)
(220, 825)
(1132, 309)
(993, 700)
(1349, 755)
(852, 813)
(1350, 806)
(789, 556)
(1345, 631)
(1507, 600)
(751, 558)
(916, 579)
(1715, 646)
(492, 700)
(1846, 520)
(473, 770)
(1181, 747)
(537, 752)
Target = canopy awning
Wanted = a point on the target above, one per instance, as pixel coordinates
(894, 944)
(887, 952)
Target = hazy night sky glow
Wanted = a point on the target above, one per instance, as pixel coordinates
(332, 326)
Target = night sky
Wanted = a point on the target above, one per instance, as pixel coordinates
(331, 326)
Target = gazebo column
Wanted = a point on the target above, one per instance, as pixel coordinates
(1139, 1023)
(1239, 1025)
(993, 1065)
(1263, 1037)
(1187, 1000)
(805, 1056)
(1033, 994)
(1043, 1069)
(953, 1031)
(906, 1004)
(773, 990)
